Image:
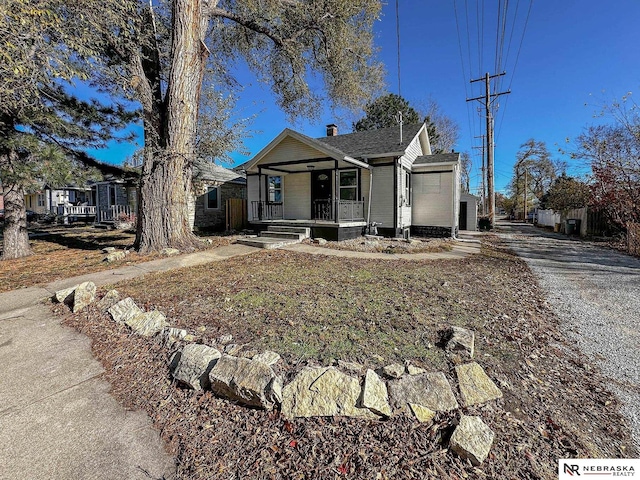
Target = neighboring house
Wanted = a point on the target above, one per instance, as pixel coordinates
(339, 185)
(49, 200)
(216, 190)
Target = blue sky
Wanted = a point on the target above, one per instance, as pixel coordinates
(575, 57)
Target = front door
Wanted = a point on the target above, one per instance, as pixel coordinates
(462, 218)
(321, 195)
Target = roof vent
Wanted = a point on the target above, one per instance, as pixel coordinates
(332, 130)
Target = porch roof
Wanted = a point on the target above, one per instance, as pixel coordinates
(300, 165)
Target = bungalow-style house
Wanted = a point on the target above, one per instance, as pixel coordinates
(341, 186)
(48, 199)
(219, 198)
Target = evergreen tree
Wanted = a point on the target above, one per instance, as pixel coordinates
(46, 45)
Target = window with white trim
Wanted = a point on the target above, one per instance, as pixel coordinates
(212, 198)
(348, 185)
(407, 188)
(41, 200)
(274, 184)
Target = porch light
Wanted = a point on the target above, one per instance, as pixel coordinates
(311, 167)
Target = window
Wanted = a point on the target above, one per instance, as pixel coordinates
(348, 185)
(41, 200)
(275, 188)
(213, 198)
(112, 194)
(407, 188)
(431, 183)
(72, 196)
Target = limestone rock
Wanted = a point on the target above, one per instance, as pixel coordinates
(351, 366)
(169, 251)
(233, 349)
(269, 358)
(83, 295)
(394, 371)
(431, 390)
(64, 296)
(147, 324)
(115, 256)
(423, 414)
(472, 439)
(194, 365)
(124, 310)
(244, 381)
(413, 370)
(172, 335)
(462, 339)
(322, 391)
(108, 249)
(374, 394)
(475, 386)
(320, 241)
(111, 298)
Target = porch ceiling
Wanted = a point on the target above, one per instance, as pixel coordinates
(297, 166)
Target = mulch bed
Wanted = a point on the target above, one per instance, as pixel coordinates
(555, 402)
(391, 246)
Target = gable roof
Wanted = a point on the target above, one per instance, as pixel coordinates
(374, 142)
(211, 171)
(437, 158)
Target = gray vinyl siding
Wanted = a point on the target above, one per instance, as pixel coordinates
(382, 198)
(297, 196)
(433, 209)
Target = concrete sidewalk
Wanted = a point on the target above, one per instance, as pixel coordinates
(57, 418)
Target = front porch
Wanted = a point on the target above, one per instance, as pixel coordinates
(327, 229)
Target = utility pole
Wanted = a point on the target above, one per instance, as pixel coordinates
(484, 199)
(487, 104)
(524, 196)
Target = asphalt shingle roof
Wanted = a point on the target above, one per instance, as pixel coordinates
(437, 158)
(373, 142)
(211, 171)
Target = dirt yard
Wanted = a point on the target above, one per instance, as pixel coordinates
(316, 310)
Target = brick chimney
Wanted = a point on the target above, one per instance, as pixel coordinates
(332, 130)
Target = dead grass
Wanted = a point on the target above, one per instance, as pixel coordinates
(314, 309)
(63, 252)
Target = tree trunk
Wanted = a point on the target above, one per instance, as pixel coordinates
(166, 177)
(16, 238)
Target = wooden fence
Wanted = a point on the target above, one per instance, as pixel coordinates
(236, 214)
(633, 239)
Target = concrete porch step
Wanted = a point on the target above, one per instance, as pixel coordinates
(267, 242)
(306, 231)
(283, 235)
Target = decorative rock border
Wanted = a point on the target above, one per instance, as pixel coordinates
(314, 391)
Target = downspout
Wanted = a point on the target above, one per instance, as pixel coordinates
(369, 204)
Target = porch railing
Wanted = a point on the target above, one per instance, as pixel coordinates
(348, 210)
(114, 212)
(266, 210)
(77, 210)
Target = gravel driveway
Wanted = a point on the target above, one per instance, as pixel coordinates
(596, 293)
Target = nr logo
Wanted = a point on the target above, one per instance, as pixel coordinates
(571, 469)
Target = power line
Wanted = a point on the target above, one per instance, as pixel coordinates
(398, 37)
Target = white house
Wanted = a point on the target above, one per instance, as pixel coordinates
(339, 185)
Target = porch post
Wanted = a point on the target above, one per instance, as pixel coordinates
(336, 194)
(259, 193)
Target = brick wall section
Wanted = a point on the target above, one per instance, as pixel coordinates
(214, 219)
